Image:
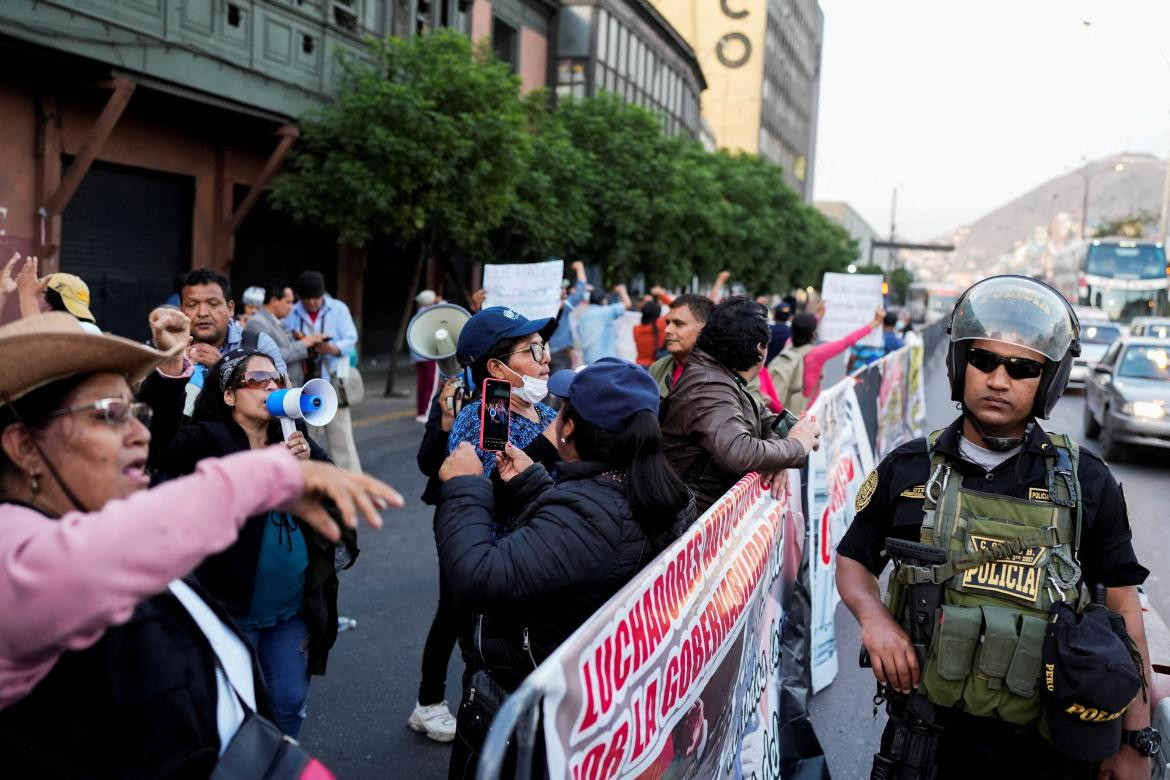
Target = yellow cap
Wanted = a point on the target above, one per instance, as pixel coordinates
(74, 293)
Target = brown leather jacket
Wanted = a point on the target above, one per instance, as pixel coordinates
(714, 432)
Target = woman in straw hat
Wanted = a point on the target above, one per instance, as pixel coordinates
(110, 664)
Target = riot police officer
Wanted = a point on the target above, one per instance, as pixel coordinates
(1013, 520)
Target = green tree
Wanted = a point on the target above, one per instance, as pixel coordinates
(627, 164)
(424, 144)
(550, 215)
(1132, 226)
(900, 281)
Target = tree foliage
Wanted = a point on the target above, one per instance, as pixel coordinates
(430, 143)
(425, 144)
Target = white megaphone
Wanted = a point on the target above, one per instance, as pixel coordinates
(315, 403)
(434, 332)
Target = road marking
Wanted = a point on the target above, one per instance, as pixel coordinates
(366, 422)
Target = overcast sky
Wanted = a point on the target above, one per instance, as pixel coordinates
(968, 104)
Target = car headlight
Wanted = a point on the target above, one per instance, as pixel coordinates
(1147, 409)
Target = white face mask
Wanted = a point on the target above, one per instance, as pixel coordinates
(534, 390)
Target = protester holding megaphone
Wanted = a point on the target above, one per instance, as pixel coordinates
(279, 579)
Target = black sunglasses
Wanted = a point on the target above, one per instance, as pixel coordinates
(1017, 367)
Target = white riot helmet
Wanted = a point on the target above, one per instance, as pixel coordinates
(1022, 311)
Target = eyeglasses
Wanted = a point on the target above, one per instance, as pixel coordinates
(258, 380)
(1017, 367)
(538, 351)
(113, 411)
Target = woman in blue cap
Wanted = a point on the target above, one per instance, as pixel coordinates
(500, 343)
(568, 544)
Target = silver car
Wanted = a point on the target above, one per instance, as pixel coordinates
(1156, 327)
(1095, 339)
(1127, 396)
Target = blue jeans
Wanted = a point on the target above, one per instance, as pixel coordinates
(283, 654)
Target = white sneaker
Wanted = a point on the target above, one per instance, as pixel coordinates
(422, 418)
(434, 720)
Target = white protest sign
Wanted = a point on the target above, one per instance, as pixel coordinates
(532, 289)
(850, 300)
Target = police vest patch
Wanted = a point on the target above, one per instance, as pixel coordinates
(866, 491)
(1017, 576)
(1038, 494)
(918, 491)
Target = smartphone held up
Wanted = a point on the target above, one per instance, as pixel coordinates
(494, 414)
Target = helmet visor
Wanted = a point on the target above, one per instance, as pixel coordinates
(1015, 310)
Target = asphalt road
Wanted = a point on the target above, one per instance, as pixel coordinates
(357, 713)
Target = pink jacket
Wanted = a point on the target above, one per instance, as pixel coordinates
(64, 582)
(814, 361)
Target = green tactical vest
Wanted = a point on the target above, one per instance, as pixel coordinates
(1008, 561)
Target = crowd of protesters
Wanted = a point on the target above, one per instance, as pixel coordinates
(629, 416)
(158, 520)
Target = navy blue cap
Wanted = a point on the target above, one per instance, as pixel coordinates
(494, 324)
(607, 392)
(1090, 678)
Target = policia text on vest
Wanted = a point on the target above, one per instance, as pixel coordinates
(1005, 525)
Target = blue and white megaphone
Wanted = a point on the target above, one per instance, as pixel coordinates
(315, 403)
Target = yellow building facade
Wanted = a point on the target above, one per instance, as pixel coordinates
(761, 60)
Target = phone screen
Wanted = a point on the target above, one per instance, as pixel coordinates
(493, 414)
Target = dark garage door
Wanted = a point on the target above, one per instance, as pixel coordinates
(127, 232)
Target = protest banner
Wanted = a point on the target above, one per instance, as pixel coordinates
(680, 672)
(837, 472)
(531, 289)
(901, 400)
(850, 301)
(701, 665)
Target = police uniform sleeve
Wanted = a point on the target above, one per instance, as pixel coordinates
(1106, 553)
(865, 540)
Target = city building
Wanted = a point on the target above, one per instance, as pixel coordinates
(521, 32)
(856, 226)
(139, 137)
(628, 48)
(762, 61)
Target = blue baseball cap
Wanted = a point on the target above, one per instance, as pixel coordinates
(607, 392)
(494, 324)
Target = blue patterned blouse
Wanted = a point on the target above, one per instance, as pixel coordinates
(521, 431)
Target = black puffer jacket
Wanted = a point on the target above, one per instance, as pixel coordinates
(570, 547)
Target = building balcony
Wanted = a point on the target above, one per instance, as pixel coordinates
(268, 56)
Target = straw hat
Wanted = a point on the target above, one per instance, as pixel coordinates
(42, 349)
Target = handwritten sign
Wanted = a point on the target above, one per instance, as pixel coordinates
(850, 300)
(532, 289)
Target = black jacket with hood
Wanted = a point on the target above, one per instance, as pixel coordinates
(570, 546)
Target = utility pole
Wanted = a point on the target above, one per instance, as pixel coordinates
(891, 255)
(1165, 221)
(1085, 201)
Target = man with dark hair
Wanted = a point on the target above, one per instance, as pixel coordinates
(713, 430)
(998, 527)
(278, 303)
(319, 314)
(780, 330)
(891, 341)
(205, 313)
(206, 298)
(595, 324)
(797, 372)
(687, 315)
